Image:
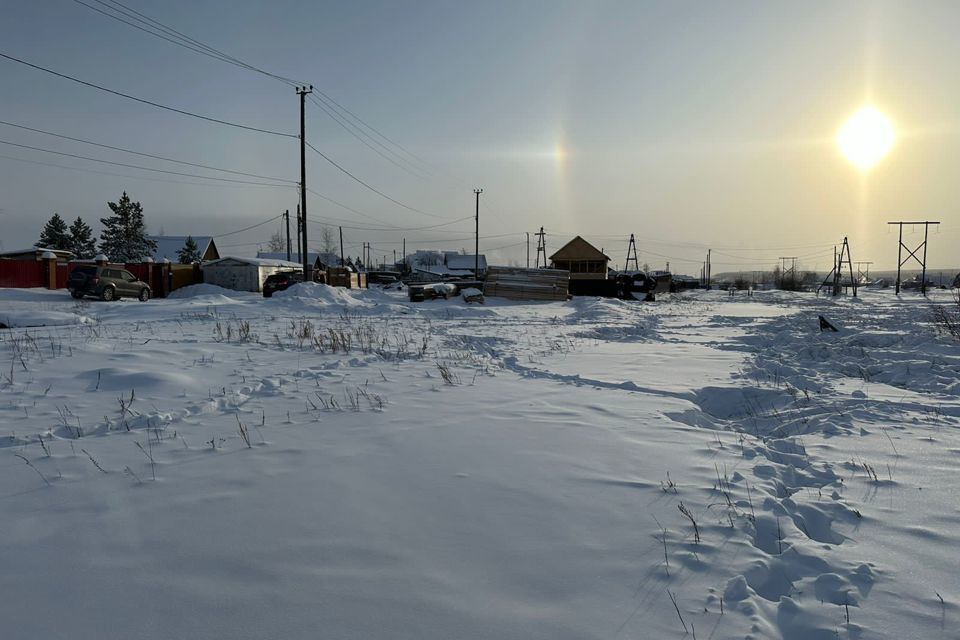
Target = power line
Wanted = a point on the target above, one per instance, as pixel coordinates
(345, 207)
(368, 186)
(151, 26)
(357, 133)
(123, 175)
(146, 155)
(143, 101)
(432, 226)
(259, 224)
(134, 166)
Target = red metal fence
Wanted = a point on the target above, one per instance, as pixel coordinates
(22, 274)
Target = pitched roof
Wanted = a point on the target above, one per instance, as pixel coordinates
(578, 249)
(260, 262)
(460, 261)
(37, 251)
(327, 259)
(167, 246)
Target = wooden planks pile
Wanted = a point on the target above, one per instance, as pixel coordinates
(527, 284)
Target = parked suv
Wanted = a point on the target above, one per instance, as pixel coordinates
(281, 281)
(108, 283)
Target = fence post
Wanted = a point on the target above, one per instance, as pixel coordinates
(50, 268)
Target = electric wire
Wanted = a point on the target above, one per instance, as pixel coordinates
(254, 226)
(368, 186)
(134, 166)
(125, 175)
(144, 101)
(349, 128)
(332, 107)
(356, 228)
(146, 155)
(173, 36)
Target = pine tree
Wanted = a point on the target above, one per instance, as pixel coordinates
(190, 252)
(54, 234)
(81, 241)
(124, 237)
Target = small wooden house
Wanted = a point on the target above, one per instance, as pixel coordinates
(582, 260)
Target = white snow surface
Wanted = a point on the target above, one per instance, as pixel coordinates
(333, 463)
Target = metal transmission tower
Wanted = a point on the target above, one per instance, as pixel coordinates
(631, 255)
(788, 274)
(835, 278)
(302, 92)
(913, 254)
(541, 247)
(863, 271)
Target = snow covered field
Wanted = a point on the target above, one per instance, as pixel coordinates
(336, 464)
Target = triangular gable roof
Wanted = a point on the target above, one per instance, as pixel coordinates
(259, 262)
(579, 249)
(314, 257)
(167, 246)
(458, 261)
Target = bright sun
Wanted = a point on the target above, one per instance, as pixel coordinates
(866, 137)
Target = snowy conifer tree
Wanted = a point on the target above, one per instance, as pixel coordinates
(81, 241)
(124, 236)
(54, 234)
(189, 253)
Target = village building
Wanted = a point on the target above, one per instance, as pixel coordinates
(582, 260)
(36, 253)
(434, 265)
(243, 274)
(321, 260)
(168, 246)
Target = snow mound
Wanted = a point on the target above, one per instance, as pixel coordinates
(324, 293)
(13, 319)
(204, 289)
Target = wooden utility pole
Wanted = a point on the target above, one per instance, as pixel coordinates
(476, 244)
(913, 254)
(343, 262)
(528, 249)
(299, 236)
(302, 92)
(286, 217)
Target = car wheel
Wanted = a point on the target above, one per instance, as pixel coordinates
(108, 294)
(144, 295)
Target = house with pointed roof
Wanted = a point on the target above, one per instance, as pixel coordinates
(583, 260)
(168, 246)
(320, 260)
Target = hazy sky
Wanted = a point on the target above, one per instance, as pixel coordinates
(690, 124)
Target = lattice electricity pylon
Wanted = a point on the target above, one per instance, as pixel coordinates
(834, 279)
(541, 247)
(631, 256)
(788, 274)
(913, 254)
(863, 271)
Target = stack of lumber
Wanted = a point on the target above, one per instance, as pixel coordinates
(527, 284)
(472, 294)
